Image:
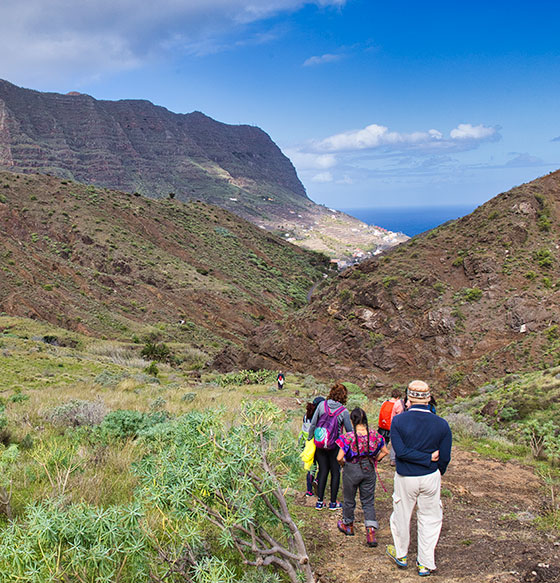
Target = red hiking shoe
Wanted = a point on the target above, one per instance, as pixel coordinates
(347, 529)
(371, 541)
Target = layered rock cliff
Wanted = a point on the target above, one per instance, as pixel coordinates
(135, 146)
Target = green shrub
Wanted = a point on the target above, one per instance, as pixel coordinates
(75, 543)
(464, 425)
(109, 379)
(472, 294)
(246, 377)
(544, 223)
(126, 424)
(19, 397)
(152, 369)
(345, 295)
(158, 403)
(543, 257)
(552, 333)
(389, 281)
(230, 479)
(509, 414)
(159, 352)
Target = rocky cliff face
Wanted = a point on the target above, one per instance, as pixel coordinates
(466, 302)
(135, 146)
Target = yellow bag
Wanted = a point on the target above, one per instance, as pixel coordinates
(308, 454)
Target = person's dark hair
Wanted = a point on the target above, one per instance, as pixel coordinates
(338, 393)
(359, 417)
(396, 393)
(310, 410)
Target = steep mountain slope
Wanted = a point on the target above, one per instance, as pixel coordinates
(105, 262)
(468, 301)
(135, 146)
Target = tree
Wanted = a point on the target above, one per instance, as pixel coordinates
(205, 476)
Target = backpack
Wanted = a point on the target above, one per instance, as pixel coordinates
(327, 431)
(385, 415)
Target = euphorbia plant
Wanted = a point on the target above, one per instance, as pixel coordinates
(230, 479)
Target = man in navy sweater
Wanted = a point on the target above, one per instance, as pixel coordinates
(422, 444)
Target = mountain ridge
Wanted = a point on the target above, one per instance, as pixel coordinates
(133, 145)
(471, 300)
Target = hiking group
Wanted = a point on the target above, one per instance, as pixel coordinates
(420, 443)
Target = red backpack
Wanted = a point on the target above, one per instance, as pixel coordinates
(385, 415)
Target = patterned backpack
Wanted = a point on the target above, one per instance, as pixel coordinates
(327, 430)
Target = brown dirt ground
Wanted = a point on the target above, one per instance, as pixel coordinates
(487, 534)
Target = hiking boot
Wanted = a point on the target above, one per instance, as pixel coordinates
(320, 505)
(423, 571)
(401, 562)
(335, 506)
(347, 529)
(371, 541)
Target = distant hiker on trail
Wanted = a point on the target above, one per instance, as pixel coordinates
(303, 437)
(280, 379)
(422, 443)
(329, 418)
(386, 415)
(399, 406)
(360, 450)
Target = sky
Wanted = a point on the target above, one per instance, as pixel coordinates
(377, 104)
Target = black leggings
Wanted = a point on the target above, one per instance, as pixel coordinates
(326, 458)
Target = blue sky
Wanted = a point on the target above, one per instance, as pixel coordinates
(376, 103)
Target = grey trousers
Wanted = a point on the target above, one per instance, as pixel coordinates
(359, 476)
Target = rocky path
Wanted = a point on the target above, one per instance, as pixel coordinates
(488, 535)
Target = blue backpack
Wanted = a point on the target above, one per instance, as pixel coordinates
(327, 430)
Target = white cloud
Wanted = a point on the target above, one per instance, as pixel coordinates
(373, 152)
(372, 136)
(376, 136)
(326, 58)
(310, 160)
(322, 177)
(466, 131)
(56, 38)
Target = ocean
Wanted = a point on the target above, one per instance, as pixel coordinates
(409, 220)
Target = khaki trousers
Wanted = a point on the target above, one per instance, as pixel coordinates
(423, 491)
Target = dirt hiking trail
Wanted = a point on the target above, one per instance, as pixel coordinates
(487, 534)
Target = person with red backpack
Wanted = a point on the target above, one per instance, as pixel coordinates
(326, 426)
(386, 415)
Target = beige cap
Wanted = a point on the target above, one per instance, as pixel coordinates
(419, 390)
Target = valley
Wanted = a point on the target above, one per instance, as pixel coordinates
(143, 437)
